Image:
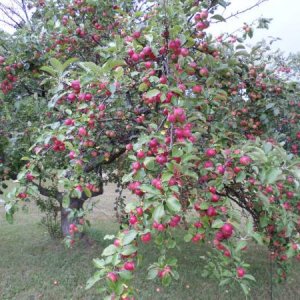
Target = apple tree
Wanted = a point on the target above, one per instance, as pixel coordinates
(217, 156)
(202, 129)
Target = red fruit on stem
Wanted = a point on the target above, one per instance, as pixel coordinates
(129, 266)
(227, 230)
(245, 160)
(240, 272)
(146, 238)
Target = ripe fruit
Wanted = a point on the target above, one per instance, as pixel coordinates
(197, 237)
(117, 242)
(166, 270)
(146, 238)
(75, 85)
(245, 160)
(129, 266)
(139, 211)
(129, 147)
(2, 60)
(211, 211)
(211, 152)
(72, 155)
(240, 272)
(82, 131)
(112, 276)
(133, 219)
(197, 89)
(204, 72)
(136, 166)
(29, 177)
(215, 198)
(140, 154)
(227, 230)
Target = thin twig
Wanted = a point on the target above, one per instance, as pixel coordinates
(242, 11)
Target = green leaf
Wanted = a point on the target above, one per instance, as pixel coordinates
(99, 263)
(110, 250)
(270, 105)
(68, 62)
(217, 224)
(152, 93)
(55, 63)
(149, 38)
(127, 275)
(87, 192)
(166, 176)
(146, 188)
(109, 237)
(272, 175)
(225, 281)
(129, 237)
(159, 212)
(66, 201)
(49, 70)
(267, 147)
(241, 176)
(204, 205)
(188, 237)
(177, 152)
(9, 218)
(173, 204)
(97, 276)
(127, 177)
(219, 18)
(128, 249)
(152, 273)
(240, 245)
(166, 280)
(258, 238)
(25, 158)
(112, 63)
(296, 172)
(191, 174)
(250, 277)
(241, 53)
(258, 155)
(210, 81)
(240, 46)
(245, 288)
(91, 67)
(189, 157)
(175, 275)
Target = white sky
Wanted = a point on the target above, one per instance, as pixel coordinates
(285, 24)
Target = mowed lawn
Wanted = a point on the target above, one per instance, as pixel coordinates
(33, 266)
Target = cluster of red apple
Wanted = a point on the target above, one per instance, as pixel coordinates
(10, 79)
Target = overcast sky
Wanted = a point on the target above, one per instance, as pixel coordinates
(285, 24)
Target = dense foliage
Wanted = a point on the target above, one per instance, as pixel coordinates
(203, 130)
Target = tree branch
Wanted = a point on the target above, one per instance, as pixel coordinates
(259, 2)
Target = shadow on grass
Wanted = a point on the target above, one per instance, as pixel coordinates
(32, 266)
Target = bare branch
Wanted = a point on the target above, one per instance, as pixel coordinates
(26, 14)
(259, 2)
(16, 12)
(9, 24)
(3, 9)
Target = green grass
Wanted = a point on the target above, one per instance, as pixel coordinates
(32, 266)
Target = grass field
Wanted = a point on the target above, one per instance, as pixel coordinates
(32, 266)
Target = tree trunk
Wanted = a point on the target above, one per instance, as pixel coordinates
(66, 221)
